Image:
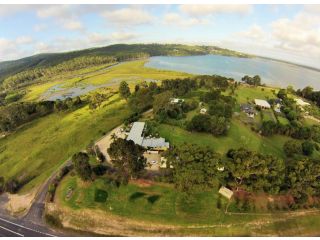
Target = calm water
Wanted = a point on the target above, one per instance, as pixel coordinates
(272, 73)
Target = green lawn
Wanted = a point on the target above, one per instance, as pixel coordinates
(39, 147)
(196, 215)
(246, 94)
(239, 135)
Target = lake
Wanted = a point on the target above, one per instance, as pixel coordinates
(272, 73)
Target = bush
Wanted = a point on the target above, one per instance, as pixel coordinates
(307, 148)
(52, 220)
(12, 186)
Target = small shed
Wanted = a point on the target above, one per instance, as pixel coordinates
(226, 192)
(262, 103)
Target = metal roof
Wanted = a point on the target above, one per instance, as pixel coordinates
(135, 135)
(262, 103)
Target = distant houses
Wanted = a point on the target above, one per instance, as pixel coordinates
(136, 135)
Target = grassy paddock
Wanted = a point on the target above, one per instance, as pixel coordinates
(195, 215)
(239, 135)
(39, 147)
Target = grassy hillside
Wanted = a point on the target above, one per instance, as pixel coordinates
(120, 51)
(35, 150)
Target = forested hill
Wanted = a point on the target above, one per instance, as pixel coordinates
(119, 51)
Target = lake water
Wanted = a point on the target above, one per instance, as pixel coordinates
(272, 73)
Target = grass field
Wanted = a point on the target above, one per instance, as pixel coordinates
(129, 71)
(246, 94)
(239, 135)
(39, 147)
(160, 205)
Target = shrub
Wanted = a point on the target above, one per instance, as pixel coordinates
(53, 220)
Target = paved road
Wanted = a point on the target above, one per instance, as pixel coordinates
(16, 228)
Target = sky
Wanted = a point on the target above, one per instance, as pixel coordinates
(287, 32)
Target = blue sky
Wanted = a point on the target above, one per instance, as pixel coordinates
(289, 32)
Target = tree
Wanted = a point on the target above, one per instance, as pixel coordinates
(253, 171)
(161, 101)
(303, 179)
(127, 157)
(292, 147)
(124, 90)
(81, 164)
(268, 128)
(307, 148)
(282, 94)
(195, 168)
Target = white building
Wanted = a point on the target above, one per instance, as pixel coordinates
(135, 135)
(226, 192)
(176, 100)
(203, 110)
(262, 103)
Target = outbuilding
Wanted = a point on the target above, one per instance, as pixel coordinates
(262, 103)
(226, 192)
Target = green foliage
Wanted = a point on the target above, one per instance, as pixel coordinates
(303, 179)
(100, 196)
(124, 90)
(53, 220)
(307, 148)
(127, 157)
(194, 167)
(292, 147)
(253, 171)
(82, 167)
(211, 124)
(256, 80)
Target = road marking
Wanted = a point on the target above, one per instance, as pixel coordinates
(12, 231)
(27, 228)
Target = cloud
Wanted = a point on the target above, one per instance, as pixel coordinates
(40, 27)
(301, 33)
(71, 24)
(128, 17)
(99, 38)
(200, 10)
(23, 40)
(59, 11)
(254, 32)
(178, 20)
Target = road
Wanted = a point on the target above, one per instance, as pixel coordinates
(14, 228)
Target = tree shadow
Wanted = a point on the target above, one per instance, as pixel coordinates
(152, 199)
(136, 195)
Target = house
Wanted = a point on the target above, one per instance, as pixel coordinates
(203, 110)
(248, 109)
(262, 103)
(226, 192)
(277, 108)
(176, 100)
(136, 135)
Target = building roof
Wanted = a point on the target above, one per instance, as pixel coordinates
(135, 135)
(301, 102)
(262, 103)
(226, 192)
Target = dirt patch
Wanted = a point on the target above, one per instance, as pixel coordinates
(19, 204)
(142, 182)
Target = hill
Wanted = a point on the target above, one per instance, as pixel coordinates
(120, 51)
